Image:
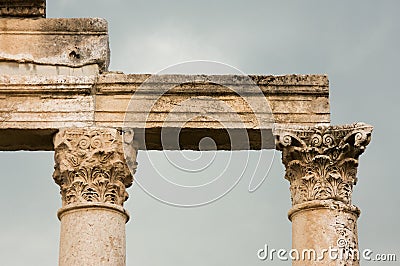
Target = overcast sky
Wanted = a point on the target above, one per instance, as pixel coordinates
(355, 42)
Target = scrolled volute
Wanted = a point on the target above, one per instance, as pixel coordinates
(90, 166)
(321, 162)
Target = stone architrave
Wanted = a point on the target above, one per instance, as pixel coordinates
(93, 175)
(23, 8)
(321, 165)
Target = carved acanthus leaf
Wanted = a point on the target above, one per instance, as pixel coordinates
(321, 162)
(90, 166)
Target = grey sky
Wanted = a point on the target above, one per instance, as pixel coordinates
(355, 42)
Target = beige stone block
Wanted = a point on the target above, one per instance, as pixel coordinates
(72, 43)
(92, 234)
(15, 68)
(22, 8)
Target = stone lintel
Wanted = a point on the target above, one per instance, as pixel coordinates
(37, 106)
(23, 8)
(69, 43)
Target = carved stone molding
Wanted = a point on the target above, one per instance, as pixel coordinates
(321, 162)
(90, 166)
(23, 8)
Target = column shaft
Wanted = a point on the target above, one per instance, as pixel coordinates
(92, 235)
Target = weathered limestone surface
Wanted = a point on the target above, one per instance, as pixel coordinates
(90, 166)
(93, 236)
(36, 106)
(54, 83)
(321, 165)
(301, 99)
(93, 175)
(53, 46)
(63, 82)
(22, 8)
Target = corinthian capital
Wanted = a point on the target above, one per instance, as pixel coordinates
(321, 162)
(90, 166)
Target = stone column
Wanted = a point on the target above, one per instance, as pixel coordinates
(92, 173)
(321, 166)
